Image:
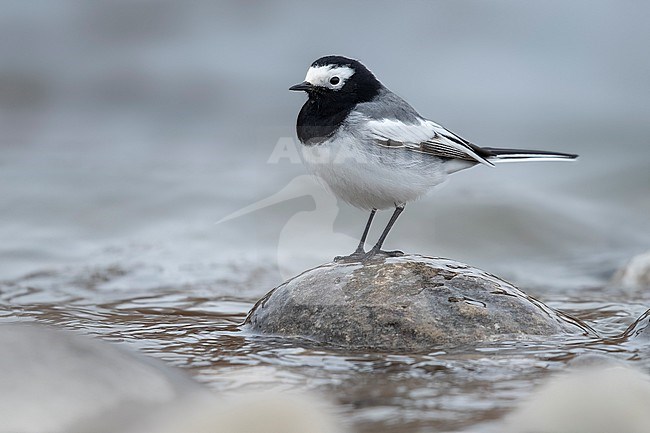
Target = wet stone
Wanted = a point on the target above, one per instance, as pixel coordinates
(408, 303)
(635, 274)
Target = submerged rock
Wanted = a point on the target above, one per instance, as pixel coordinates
(408, 303)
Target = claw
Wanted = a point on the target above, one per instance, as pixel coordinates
(394, 253)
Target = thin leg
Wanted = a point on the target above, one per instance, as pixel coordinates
(359, 253)
(377, 248)
(362, 242)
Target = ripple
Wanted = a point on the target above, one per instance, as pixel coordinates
(196, 327)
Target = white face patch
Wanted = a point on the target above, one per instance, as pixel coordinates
(329, 76)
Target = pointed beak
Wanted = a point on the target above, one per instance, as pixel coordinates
(305, 85)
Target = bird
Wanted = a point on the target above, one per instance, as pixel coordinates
(373, 150)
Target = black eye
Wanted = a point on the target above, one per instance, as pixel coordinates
(334, 81)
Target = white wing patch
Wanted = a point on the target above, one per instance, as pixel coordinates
(425, 136)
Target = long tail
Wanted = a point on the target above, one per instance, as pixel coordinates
(497, 155)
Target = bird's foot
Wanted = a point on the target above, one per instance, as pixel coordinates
(377, 252)
(362, 256)
(355, 257)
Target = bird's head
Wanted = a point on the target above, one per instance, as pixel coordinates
(340, 79)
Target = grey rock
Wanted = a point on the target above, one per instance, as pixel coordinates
(58, 381)
(591, 399)
(408, 303)
(635, 274)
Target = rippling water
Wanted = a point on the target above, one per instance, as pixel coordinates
(129, 130)
(195, 327)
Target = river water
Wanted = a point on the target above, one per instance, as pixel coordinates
(131, 133)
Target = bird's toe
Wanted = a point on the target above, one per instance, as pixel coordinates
(394, 253)
(356, 256)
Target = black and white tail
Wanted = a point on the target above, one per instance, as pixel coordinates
(496, 155)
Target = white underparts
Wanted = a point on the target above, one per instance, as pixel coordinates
(371, 177)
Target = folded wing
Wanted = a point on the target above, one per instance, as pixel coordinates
(427, 137)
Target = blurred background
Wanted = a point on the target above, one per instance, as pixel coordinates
(128, 129)
(151, 192)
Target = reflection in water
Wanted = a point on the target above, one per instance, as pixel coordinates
(445, 390)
